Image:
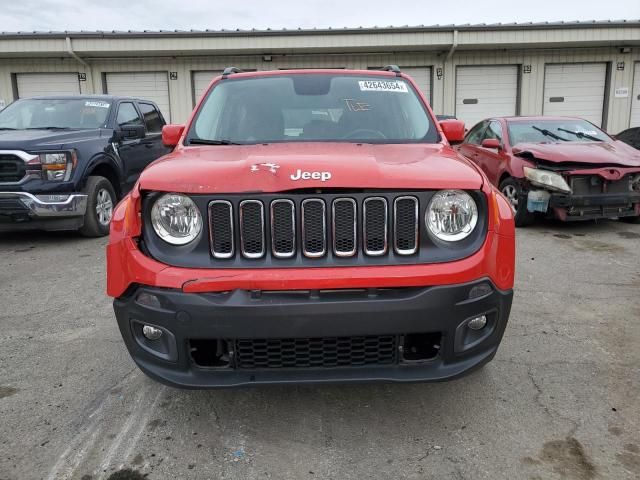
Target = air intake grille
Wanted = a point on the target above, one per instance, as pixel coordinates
(12, 169)
(324, 352)
(312, 228)
(252, 228)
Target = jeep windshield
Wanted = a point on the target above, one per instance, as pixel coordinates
(312, 108)
(552, 130)
(54, 114)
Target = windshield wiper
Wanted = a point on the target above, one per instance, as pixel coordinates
(48, 128)
(548, 133)
(204, 141)
(580, 134)
(7, 128)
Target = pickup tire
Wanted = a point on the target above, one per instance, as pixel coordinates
(512, 190)
(101, 200)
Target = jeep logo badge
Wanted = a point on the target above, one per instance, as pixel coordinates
(300, 175)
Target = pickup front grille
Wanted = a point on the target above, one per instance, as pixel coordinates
(314, 227)
(12, 168)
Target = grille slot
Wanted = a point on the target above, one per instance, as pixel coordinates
(252, 241)
(221, 230)
(344, 227)
(374, 226)
(314, 228)
(405, 225)
(322, 352)
(283, 228)
(12, 169)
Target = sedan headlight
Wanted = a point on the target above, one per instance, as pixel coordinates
(547, 179)
(176, 219)
(452, 215)
(57, 166)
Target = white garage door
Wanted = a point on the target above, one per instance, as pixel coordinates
(422, 76)
(201, 81)
(575, 90)
(486, 91)
(635, 101)
(34, 84)
(152, 86)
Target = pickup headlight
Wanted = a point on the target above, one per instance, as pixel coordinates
(57, 166)
(546, 179)
(451, 215)
(176, 219)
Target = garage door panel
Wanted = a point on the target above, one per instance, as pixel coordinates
(581, 88)
(422, 77)
(486, 91)
(37, 84)
(152, 86)
(201, 80)
(635, 101)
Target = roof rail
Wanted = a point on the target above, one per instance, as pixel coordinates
(392, 68)
(229, 70)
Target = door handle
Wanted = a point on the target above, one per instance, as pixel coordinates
(148, 145)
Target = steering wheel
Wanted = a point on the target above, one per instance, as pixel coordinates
(376, 133)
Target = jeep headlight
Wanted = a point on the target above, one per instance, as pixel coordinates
(57, 166)
(546, 179)
(451, 215)
(176, 219)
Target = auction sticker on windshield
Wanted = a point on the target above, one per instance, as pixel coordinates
(97, 104)
(382, 86)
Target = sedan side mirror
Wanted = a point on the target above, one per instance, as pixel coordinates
(171, 134)
(130, 132)
(491, 143)
(453, 130)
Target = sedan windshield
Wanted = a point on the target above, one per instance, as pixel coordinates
(34, 113)
(547, 131)
(312, 107)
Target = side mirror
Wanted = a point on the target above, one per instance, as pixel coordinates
(453, 130)
(171, 134)
(130, 132)
(491, 143)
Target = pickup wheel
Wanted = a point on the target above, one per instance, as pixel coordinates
(511, 189)
(101, 200)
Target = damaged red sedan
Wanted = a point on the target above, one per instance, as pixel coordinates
(559, 167)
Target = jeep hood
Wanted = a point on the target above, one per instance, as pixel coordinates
(247, 168)
(595, 153)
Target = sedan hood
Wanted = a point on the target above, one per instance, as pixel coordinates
(288, 166)
(595, 153)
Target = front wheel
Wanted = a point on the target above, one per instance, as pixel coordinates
(101, 199)
(512, 190)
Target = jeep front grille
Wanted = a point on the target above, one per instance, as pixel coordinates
(314, 227)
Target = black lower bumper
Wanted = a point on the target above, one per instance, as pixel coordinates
(394, 335)
(594, 206)
(27, 211)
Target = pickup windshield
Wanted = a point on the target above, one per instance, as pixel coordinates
(47, 114)
(546, 131)
(312, 108)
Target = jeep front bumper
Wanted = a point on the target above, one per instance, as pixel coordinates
(241, 337)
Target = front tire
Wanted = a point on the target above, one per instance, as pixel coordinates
(512, 190)
(101, 199)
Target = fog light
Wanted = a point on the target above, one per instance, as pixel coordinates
(477, 323)
(152, 333)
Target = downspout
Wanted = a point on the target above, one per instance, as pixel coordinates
(454, 45)
(74, 54)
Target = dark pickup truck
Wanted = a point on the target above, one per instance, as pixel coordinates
(66, 160)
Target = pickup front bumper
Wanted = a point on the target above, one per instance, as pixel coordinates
(242, 337)
(26, 211)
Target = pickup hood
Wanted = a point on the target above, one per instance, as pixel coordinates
(282, 166)
(47, 139)
(595, 153)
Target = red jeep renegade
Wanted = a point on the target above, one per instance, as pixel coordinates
(311, 226)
